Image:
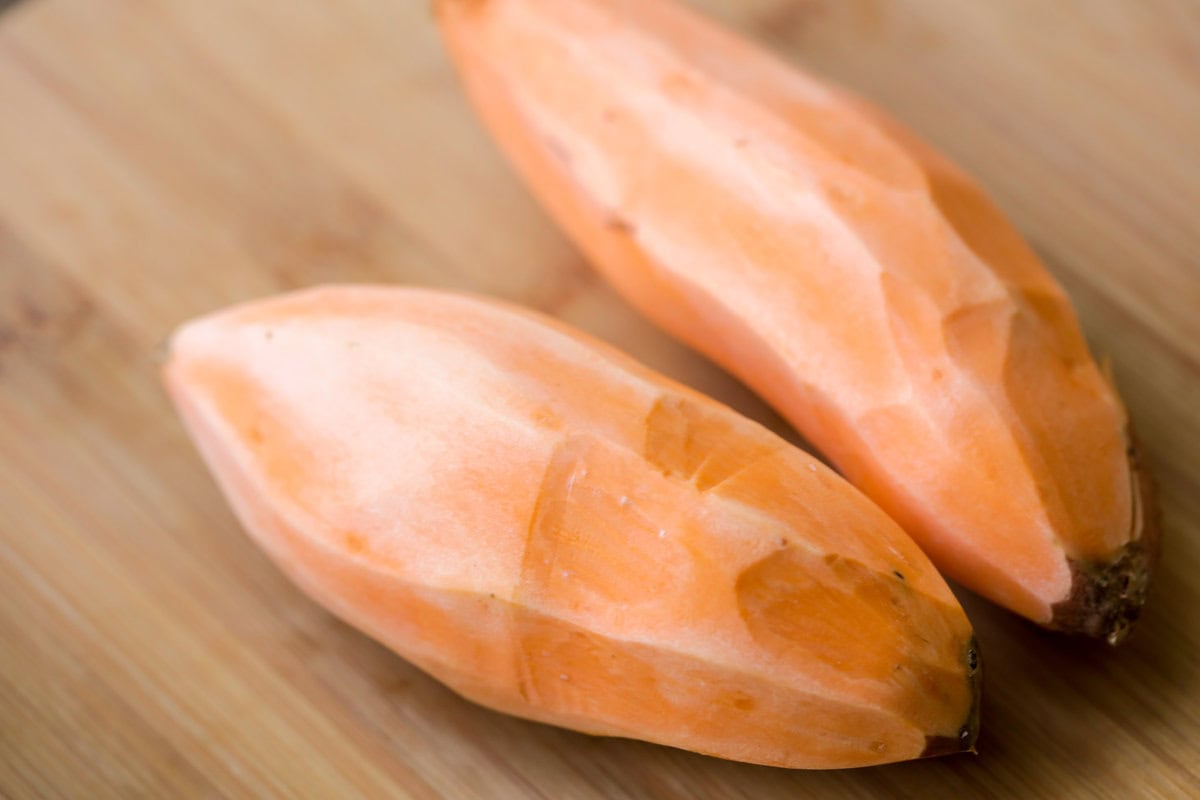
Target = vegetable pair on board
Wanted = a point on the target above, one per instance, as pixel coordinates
(554, 531)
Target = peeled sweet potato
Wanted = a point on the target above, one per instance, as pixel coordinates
(554, 531)
(849, 274)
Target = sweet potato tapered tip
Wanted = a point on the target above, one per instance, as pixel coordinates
(1107, 595)
(555, 531)
(964, 741)
(852, 276)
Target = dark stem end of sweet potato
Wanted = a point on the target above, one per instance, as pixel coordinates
(968, 733)
(1107, 596)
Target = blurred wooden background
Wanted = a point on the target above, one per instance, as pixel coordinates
(161, 158)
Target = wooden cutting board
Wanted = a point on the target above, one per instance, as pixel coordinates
(161, 158)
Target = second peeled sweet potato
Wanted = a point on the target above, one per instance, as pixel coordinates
(555, 531)
(848, 273)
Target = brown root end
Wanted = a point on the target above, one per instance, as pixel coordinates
(1107, 596)
(968, 733)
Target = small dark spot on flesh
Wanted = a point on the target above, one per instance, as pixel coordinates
(783, 542)
(268, 334)
(898, 574)
(621, 225)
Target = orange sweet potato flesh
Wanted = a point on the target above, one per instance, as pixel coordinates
(554, 531)
(853, 277)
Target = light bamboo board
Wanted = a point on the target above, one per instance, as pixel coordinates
(161, 158)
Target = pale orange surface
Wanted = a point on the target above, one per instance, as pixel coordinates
(854, 278)
(557, 532)
(162, 160)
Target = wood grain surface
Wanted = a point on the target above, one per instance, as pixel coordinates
(161, 158)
